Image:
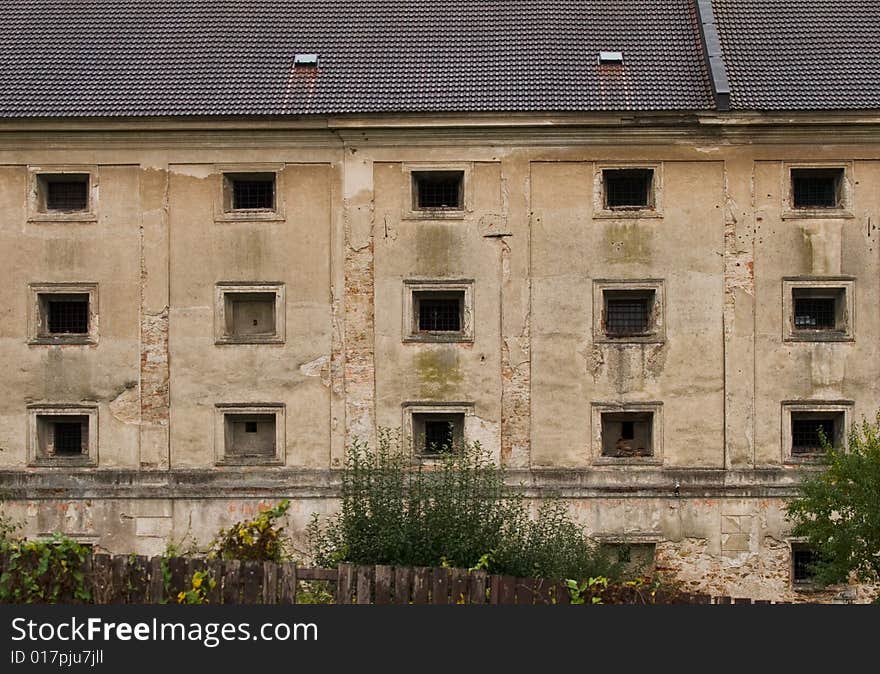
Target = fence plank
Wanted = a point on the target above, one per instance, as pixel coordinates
(119, 580)
(270, 583)
(402, 584)
(364, 589)
(214, 568)
(458, 585)
(101, 578)
(508, 590)
(306, 573)
(178, 567)
(383, 585)
(138, 574)
(287, 583)
(477, 593)
(345, 584)
(561, 594)
(232, 582)
(494, 589)
(440, 586)
(156, 593)
(526, 590)
(253, 582)
(421, 583)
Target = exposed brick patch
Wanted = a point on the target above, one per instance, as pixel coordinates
(154, 368)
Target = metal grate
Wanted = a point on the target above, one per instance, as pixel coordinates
(802, 561)
(625, 317)
(68, 316)
(67, 196)
(805, 434)
(67, 437)
(439, 315)
(816, 188)
(439, 190)
(438, 436)
(253, 194)
(628, 188)
(814, 313)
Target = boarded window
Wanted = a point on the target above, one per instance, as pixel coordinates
(628, 188)
(438, 189)
(250, 314)
(250, 436)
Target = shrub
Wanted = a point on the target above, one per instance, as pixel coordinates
(458, 513)
(258, 539)
(43, 571)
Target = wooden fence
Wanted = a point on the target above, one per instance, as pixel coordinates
(132, 579)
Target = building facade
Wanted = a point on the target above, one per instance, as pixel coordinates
(649, 306)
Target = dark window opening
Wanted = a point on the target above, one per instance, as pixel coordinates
(250, 192)
(802, 562)
(250, 426)
(815, 313)
(434, 433)
(438, 189)
(63, 192)
(627, 434)
(628, 188)
(439, 314)
(438, 436)
(807, 432)
(628, 313)
(67, 438)
(816, 188)
(67, 196)
(68, 314)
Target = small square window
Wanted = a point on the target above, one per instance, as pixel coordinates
(249, 314)
(627, 434)
(804, 423)
(818, 309)
(249, 191)
(803, 560)
(438, 190)
(628, 188)
(63, 435)
(628, 311)
(63, 313)
(808, 429)
(63, 192)
(439, 311)
(817, 187)
(435, 433)
(249, 434)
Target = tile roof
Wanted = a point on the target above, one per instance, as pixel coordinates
(61, 58)
(801, 54)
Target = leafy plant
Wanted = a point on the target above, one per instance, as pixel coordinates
(315, 592)
(459, 513)
(256, 539)
(837, 510)
(43, 571)
(200, 584)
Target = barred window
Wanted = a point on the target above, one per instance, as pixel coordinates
(63, 192)
(628, 313)
(807, 430)
(249, 191)
(439, 311)
(816, 187)
(67, 314)
(438, 189)
(434, 433)
(628, 188)
(814, 313)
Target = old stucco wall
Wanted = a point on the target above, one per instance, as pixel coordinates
(533, 242)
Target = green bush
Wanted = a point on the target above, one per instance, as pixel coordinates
(457, 513)
(43, 571)
(257, 539)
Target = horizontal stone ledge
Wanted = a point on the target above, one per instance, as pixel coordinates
(600, 482)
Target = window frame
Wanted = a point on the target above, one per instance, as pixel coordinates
(409, 197)
(414, 287)
(221, 435)
(657, 318)
(655, 195)
(223, 200)
(842, 408)
(224, 288)
(845, 208)
(655, 408)
(36, 194)
(37, 457)
(411, 409)
(822, 287)
(37, 317)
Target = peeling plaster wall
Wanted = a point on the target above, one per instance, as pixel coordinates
(532, 239)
